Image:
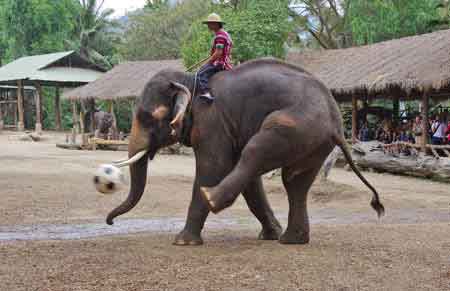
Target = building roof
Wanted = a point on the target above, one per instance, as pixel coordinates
(124, 81)
(414, 63)
(63, 68)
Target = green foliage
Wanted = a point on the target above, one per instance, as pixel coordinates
(258, 28)
(124, 115)
(378, 20)
(156, 4)
(30, 27)
(157, 33)
(324, 21)
(93, 35)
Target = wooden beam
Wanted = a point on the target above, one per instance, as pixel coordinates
(425, 106)
(354, 119)
(2, 124)
(38, 98)
(395, 109)
(82, 125)
(20, 124)
(115, 134)
(75, 128)
(58, 126)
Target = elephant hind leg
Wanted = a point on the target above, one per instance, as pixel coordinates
(265, 151)
(297, 184)
(257, 203)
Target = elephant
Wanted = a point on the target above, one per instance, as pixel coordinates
(103, 121)
(267, 114)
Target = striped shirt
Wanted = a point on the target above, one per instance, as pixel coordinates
(222, 40)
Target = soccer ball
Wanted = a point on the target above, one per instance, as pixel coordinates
(108, 179)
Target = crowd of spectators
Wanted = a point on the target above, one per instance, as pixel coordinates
(438, 131)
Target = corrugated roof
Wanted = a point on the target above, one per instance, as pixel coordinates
(66, 74)
(40, 68)
(124, 81)
(411, 63)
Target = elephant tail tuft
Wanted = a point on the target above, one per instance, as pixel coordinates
(375, 203)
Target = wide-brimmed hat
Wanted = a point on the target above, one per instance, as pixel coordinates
(213, 18)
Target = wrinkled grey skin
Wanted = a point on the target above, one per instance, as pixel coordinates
(267, 115)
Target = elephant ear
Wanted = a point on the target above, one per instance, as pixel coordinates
(182, 100)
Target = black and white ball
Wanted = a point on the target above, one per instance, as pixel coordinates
(108, 179)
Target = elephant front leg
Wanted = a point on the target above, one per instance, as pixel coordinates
(197, 214)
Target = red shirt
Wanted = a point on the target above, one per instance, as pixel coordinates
(223, 40)
(447, 131)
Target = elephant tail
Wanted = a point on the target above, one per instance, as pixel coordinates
(375, 203)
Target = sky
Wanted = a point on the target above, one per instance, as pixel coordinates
(122, 6)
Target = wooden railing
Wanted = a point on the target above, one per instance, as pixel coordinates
(437, 150)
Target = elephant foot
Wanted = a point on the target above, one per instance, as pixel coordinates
(185, 238)
(293, 237)
(210, 200)
(272, 233)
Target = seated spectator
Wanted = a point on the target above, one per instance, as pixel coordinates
(364, 133)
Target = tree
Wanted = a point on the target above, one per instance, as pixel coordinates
(157, 33)
(259, 28)
(323, 20)
(378, 20)
(156, 4)
(93, 35)
(34, 26)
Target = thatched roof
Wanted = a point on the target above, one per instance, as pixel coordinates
(124, 81)
(414, 63)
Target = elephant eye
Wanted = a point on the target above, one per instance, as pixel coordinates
(146, 119)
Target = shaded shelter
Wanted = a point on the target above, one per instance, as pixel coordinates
(63, 69)
(8, 104)
(125, 81)
(409, 68)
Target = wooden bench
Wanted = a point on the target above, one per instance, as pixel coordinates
(398, 146)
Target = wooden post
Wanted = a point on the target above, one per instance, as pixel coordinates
(1, 118)
(2, 95)
(114, 125)
(58, 126)
(20, 124)
(75, 128)
(82, 125)
(38, 96)
(366, 109)
(395, 109)
(424, 121)
(354, 119)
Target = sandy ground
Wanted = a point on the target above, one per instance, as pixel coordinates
(41, 185)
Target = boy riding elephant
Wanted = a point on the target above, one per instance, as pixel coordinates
(220, 56)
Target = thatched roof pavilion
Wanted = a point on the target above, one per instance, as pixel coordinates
(410, 65)
(124, 81)
(416, 67)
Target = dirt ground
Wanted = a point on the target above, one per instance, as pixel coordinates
(47, 191)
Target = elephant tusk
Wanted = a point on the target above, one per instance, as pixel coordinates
(132, 160)
(119, 161)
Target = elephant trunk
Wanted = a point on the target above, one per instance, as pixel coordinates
(138, 172)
